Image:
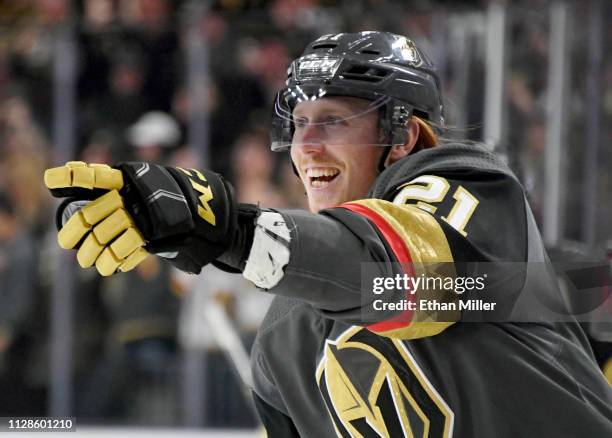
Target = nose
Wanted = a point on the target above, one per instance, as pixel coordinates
(310, 138)
(312, 147)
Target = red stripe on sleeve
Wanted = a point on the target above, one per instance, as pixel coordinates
(402, 254)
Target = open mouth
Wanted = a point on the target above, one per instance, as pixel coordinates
(321, 177)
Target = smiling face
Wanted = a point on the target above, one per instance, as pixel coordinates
(332, 149)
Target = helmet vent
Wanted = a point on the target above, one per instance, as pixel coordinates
(365, 73)
(324, 46)
(370, 52)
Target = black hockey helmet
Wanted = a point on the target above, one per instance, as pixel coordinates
(388, 70)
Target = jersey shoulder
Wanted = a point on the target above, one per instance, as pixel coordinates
(470, 159)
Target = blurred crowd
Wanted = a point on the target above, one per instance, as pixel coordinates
(135, 100)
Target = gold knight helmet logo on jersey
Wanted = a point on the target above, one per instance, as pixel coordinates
(359, 383)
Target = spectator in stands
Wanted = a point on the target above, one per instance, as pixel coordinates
(253, 166)
(135, 379)
(153, 136)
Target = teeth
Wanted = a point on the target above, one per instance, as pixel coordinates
(321, 171)
(318, 184)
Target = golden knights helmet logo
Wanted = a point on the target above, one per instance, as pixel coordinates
(373, 388)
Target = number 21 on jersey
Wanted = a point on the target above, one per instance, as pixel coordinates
(430, 189)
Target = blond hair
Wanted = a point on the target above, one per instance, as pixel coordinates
(427, 136)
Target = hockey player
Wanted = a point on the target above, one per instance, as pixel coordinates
(358, 116)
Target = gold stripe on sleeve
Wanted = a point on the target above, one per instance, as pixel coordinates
(431, 257)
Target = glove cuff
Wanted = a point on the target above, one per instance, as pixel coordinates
(234, 259)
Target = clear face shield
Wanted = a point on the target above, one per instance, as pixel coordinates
(329, 115)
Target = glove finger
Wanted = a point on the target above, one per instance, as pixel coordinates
(112, 226)
(133, 260)
(107, 263)
(127, 243)
(73, 231)
(74, 176)
(124, 253)
(102, 207)
(105, 177)
(89, 251)
(81, 222)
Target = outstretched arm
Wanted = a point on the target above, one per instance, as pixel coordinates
(191, 218)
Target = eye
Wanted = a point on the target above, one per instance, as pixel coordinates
(300, 122)
(334, 121)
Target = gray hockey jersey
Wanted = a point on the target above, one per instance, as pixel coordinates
(326, 368)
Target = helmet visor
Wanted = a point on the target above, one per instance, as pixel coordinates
(311, 114)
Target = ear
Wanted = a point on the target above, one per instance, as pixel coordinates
(400, 151)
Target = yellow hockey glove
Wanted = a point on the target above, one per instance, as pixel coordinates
(102, 229)
(114, 216)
